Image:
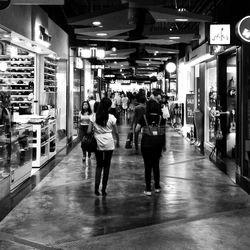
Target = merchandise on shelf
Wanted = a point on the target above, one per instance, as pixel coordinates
(50, 66)
(18, 80)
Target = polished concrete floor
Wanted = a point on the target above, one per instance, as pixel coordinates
(199, 206)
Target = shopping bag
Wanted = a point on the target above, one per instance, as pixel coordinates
(129, 140)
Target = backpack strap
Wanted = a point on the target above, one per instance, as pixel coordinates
(145, 119)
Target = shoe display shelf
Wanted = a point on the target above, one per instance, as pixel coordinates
(18, 80)
(44, 143)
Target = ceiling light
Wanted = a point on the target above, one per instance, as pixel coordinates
(96, 23)
(181, 19)
(174, 37)
(121, 65)
(113, 49)
(171, 67)
(101, 34)
(6, 35)
(115, 62)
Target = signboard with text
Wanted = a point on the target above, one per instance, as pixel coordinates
(189, 108)
(219, 34)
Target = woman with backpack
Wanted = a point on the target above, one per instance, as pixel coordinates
(152, 143)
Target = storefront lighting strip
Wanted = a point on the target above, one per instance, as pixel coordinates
(200, 59)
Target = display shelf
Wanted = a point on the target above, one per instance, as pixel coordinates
(42, 150)
(20, 68)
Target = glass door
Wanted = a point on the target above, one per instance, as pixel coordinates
(231, 105)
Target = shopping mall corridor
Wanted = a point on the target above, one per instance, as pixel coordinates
(199, 206)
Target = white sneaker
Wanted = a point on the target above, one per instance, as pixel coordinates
(148, 193)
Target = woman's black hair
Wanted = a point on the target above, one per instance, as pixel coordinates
(102, 113)
(153, 107)
(96, 106)
(88, 110)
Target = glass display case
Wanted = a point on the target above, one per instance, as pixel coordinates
(211, 103)
(20, 154)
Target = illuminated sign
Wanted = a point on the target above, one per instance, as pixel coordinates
(109, 76)
(243, 29)
(97, 66)
(219, 34)
(92, 52)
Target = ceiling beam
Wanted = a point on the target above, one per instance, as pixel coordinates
(38, 2)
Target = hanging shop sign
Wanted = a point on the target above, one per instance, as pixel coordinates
(109, 76)
(91, 52)
(189, 108)
(4, 4)
(242, 29)
(220, 34)
(122, 82)
(97, 66)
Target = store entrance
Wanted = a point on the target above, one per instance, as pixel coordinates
(227, 107)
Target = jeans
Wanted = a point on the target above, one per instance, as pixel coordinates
(103, 160)
(151, 157)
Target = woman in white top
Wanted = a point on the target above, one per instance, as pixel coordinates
(84, 114)
(103, 124)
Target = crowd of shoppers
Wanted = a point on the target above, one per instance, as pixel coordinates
(143, 113)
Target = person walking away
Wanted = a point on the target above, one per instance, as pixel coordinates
(124, 104)
(152, 143)
(84, 114)
(103, 125)
(139, 112)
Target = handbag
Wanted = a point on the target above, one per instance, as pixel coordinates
(89, 143)
(129, 140)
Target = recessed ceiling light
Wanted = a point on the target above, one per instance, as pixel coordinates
(96, 23)
(113, 54)
(174, 37)
(115, 62)
(113, 49)
(6, 35)
(181, 19)
(101, 34)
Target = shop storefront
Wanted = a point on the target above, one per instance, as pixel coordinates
(214, 74)
(33, 119)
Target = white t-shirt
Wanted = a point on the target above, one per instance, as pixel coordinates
(84, 119)
(103, 135)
